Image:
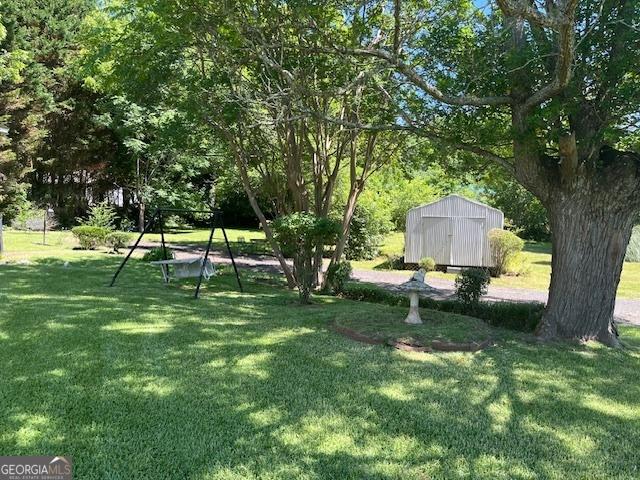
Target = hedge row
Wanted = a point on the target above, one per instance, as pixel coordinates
(520, 316)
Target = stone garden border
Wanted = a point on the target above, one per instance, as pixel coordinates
(436, 345)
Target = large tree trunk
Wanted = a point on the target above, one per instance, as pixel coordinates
(591, 228)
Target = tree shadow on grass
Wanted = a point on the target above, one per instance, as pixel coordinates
(140, 381)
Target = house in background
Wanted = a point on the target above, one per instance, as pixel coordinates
(453, 231)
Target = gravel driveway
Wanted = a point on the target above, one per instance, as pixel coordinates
(627, 310)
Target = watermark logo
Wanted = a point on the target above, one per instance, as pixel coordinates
(36, 468)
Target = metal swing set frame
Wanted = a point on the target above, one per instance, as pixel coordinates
(215, 219)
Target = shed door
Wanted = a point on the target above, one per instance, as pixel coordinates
(436, 241)
(467, 241)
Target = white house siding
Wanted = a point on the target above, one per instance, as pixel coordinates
(453, 231)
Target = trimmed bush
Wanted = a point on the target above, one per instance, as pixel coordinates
(519, 266)
(117, 240)
(504, 245)
(337, 275)
(519, 316)
(156, 254)
(428, 264)
(363, 292)
(471, 284)
(90, 237)
(633, 251)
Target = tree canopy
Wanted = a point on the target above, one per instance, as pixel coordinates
(311, 107)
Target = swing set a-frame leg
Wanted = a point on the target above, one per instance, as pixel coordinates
(233, 262)
(204, 260)
(135, 245)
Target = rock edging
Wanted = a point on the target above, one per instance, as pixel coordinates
(436, 345)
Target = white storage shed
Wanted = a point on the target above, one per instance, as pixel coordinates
(453, 231)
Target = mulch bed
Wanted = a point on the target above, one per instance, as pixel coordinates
(411, 345)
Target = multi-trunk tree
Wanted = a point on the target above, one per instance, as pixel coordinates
(243, 70)
(549, 91)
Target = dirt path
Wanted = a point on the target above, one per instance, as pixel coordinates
(627, 310)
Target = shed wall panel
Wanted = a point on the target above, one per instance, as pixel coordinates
(467, 242)
(436, 232)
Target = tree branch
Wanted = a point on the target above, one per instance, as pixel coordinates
(505, 162)
(416, 79)
(560, 18)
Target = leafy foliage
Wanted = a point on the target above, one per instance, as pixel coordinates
(102, 215)
(156, 254)
(117, 240)
(633, 252)
(505, 246)
(27, 217)
(366, 233)
(428, 264)
(47, 112)
(89, 236)
(337, 276)
(525, 213)
(305, 235)
(520, 316)
(471, 284)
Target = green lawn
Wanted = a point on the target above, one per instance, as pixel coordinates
(536, 255)
(28, 245)
(19, 245)
(140, 381)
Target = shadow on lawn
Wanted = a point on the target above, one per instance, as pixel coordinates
(140, 381)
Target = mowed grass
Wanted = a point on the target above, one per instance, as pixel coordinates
(139, 381)
(536, 255)
(21, 245)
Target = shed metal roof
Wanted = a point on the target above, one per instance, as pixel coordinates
(460, 197)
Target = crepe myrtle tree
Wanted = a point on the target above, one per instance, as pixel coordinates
(550, 91)
(304, 235)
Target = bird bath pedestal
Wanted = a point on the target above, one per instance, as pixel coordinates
(413, 287)
(414, 311)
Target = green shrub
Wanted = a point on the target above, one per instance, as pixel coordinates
(363, 292)
(471, 284)
(428, 264)
(101, 215)
(156, 254)
(127, 225)
(394, 262)
(504, 246)
(337, 276)
(519, 316)
(89, 236)
(522, 210)
(305, 234)
(366, 234)
(633, 251)
(117, 240)
(28, 218)
(519, 266)
(409, 193)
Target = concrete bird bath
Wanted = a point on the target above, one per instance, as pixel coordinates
(413, 288)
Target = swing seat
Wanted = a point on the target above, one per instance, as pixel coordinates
(185, 268)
